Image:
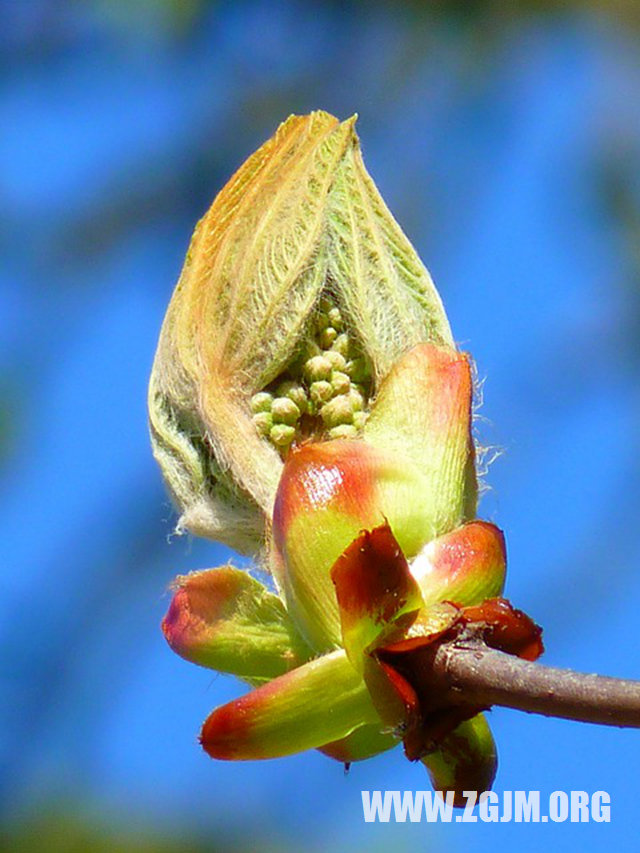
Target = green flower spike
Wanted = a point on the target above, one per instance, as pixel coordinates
(308, 405)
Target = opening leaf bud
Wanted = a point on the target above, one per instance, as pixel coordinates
(297, 271)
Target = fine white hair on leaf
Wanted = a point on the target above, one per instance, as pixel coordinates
(300, 220)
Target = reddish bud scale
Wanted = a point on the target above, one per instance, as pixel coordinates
(466, 760)
(407, 664)
(372, 579)
(315, 704)
(198, 603)
(328, 494)
(227, 620)
(423, 412)
(466, 566)
(227, 732)
(321, 475)
(506, 628)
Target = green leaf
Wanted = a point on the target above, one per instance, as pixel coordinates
(379, 277)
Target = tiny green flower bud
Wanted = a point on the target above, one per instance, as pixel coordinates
(261, 402)
(322, 321)
(342, 345)
(310, 350)
(324, 306)
(294, 391)
(358, 370)
(282, 435)
(343, 431)
(327, 337)
(337, 411)
(284, 411)
(359, 420)
(320, 392)
(318, 368)
(335, 318)
(357, 399)
(335, 359)
(340, 382)
(263, 422)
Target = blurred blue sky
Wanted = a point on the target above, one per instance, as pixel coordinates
(508, 147)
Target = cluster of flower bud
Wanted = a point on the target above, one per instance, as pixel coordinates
(328, 387)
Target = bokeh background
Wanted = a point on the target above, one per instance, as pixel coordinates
(506, 139)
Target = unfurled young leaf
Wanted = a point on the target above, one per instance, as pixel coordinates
(298, 293)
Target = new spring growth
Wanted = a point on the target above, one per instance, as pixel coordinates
(308, 404)
(298, 294)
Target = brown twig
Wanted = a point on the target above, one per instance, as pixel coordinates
(469, 672)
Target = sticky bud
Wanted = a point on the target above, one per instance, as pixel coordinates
(276, 262)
